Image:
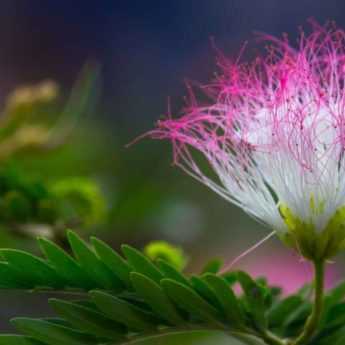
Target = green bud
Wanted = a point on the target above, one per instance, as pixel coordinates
(312, 243)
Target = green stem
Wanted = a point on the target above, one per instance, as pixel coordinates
(272, 339)
(315, 317)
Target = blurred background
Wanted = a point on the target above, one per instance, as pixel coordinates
(80, 80)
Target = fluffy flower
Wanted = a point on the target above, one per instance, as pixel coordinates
(273, 131)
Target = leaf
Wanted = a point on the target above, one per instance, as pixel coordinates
(113, 261)
(92, 265)
(230, 277)
(197, 338)
(12, 279)
(226, 297)
(204, 290)
(255, 299)
(213, 266)
(336, 338)
(279, 313)
(171, 272)
(337, 294)
(296, 319)
(11, 339)
(333, 297)
(156, 298)
(142, 264)
(122, 311)
(88, 320)
(50, 333)
(32, 268)
(65, 265)
(190, 301)
(334, 320)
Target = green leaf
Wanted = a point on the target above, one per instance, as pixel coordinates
(50, 333)
(227, 299)
(122, 311)
(32, 268)
(254, 298)
(170, 272)
(337, 294)
(88, 320)
(142, 264)
(205, 291)
(213, 266)
(12, 279)
(65, 265)
(230, 277)
(113, 261)
(336, 338)
(278, 314)
(156, 298)
(197, 337)
(11, 339)
(334, 319)
(92, 264)
(333, 297)
(296, 319)
(190, 301)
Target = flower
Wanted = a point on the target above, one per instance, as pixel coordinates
(273, 132)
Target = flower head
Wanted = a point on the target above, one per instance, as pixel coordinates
(273, 132)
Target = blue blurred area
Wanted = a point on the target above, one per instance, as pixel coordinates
(146, 48)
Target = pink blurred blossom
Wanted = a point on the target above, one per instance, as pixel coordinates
(292, 273)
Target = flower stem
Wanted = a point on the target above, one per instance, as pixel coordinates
(272, 339)
(315, 317)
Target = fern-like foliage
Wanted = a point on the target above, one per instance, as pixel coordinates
(114, 299)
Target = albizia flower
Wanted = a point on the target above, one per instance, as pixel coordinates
(273, 132)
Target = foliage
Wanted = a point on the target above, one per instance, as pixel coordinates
(80, 198)
(35, 121)
(127, 298)
(25, 202)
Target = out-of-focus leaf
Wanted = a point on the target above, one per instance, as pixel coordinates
(213, 266)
